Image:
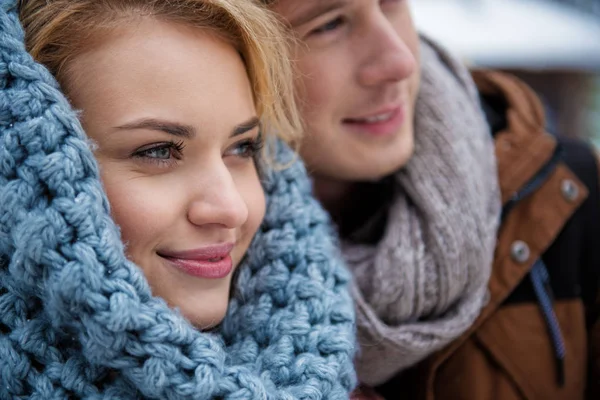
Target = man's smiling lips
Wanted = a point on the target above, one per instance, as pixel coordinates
(382, 123)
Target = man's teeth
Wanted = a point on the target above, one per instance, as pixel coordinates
(377, 118)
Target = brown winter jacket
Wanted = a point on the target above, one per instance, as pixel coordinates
(550, 191)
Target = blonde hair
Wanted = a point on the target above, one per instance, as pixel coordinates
(56, 31)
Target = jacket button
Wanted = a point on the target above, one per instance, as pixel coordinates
(519, 251)
(569, 190)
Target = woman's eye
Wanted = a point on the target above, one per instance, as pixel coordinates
(246, 148)
(163, 153)
(160, 152)
(329, 26)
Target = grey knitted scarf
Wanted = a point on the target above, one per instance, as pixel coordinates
(425, 282)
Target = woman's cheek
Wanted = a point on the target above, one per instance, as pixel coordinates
(141, 206)
(248, 184)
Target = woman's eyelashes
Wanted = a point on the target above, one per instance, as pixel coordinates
(169, 153)
(163, 153)
(246, 148)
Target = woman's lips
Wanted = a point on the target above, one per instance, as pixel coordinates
(209, 262)
(383, 123)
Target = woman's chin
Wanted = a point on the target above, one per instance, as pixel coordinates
(206, 319)
(203, 310)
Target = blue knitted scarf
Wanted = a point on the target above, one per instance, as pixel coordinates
(78, 320)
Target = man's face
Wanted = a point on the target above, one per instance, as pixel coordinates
(359, 68)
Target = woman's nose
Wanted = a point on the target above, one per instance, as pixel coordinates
(218, 201)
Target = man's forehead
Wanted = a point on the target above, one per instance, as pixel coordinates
(298, 12)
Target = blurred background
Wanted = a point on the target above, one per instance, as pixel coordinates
(554, 45)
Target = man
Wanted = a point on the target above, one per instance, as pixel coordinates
(471, 232)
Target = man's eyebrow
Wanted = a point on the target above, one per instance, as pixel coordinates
(318, 8)
(172, 128)
(245, 126)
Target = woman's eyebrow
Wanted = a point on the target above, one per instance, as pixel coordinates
(172, 128)
(245, 126)
(181, 130)
(317, 8)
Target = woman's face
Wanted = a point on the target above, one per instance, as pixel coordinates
(171, 110)
(358, 62)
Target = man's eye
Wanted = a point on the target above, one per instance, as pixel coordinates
(329, 26)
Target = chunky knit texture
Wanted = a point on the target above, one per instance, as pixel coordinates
(78, 320)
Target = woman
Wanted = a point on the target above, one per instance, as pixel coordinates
(414, 171)
(171, 96)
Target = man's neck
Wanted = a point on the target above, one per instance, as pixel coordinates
(351, 204)
(333, 194)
